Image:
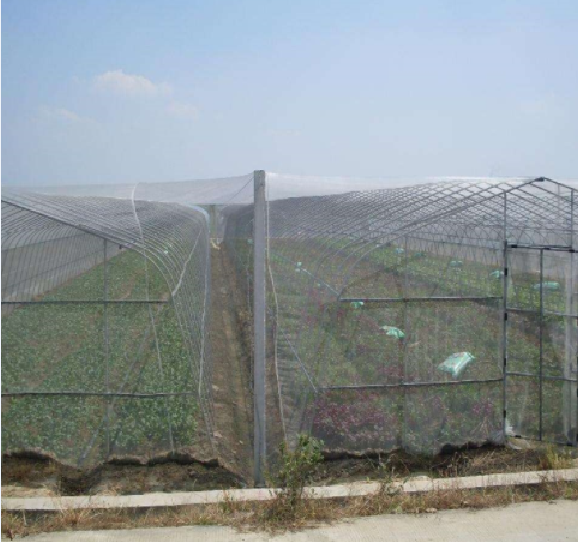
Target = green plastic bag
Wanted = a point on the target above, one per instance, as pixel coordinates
(548, 285)
(249, 241)
(456, 363)
(393, 331)
(356, 304)
(497, 274)
(399, 251)
(456, 263)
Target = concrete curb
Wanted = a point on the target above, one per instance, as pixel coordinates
(356, 489)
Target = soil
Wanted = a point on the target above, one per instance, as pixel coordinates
(38, 476)
(479, 461)
(231, 349)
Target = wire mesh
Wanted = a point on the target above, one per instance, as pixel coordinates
(105, 307)
(376, 292)
(415, 317)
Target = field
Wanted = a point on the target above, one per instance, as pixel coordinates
(59, 345)
(340, 373)
(362, 388)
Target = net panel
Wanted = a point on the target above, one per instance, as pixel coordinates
(132, 306)
(104, 323)
(376, 292)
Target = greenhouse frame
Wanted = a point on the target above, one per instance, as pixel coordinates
(378, 314)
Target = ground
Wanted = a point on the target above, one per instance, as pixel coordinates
(23, 477)
(231, 353)
(553, 521)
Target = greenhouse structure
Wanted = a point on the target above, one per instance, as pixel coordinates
(374, 314)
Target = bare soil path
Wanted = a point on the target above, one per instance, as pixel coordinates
(231, 353)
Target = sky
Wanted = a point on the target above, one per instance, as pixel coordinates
(100, 91)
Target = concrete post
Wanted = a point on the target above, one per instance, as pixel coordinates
(259, 326)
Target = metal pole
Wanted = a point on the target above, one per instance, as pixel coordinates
(406, 339)
(571, 349)
(541, 331)
(568, 346)
(574, 299)
(259, 326)
(505, 279)
(106, 348)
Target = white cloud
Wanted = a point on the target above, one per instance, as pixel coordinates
(65, 115)
(183, 110)
(132, 85)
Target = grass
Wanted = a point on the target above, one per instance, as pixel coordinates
(296, 469)
(29, 476)
(257, 515)
(466, 462)
(556, 459)
(290, 510)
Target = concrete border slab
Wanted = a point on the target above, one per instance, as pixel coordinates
(155, 500)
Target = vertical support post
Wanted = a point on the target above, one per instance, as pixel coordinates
(541, 333)
(569, 347)
(504, 352)
(505, 279)
(259, 326)
(213, 225)
(574, 271)
(106, 347)
(406, 340)
(571, 340)
(571, 344)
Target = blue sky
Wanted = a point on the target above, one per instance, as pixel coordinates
(123, 91)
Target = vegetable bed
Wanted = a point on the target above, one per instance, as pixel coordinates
(58, 352)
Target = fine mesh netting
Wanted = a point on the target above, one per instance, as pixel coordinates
(390, 320)
(105, 322)
(209, 319)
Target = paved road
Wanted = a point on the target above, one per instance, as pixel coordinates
(529, 522)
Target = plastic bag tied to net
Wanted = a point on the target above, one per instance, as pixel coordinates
(393, 331)
(456, 363)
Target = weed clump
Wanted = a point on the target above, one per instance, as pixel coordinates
(553, 459)
(297, 469)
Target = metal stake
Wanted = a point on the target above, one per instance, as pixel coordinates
(506, 278)
(541, 331)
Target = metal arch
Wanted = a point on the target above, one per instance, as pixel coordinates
(108, 219)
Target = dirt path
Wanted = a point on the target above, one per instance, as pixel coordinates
(231, 352)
